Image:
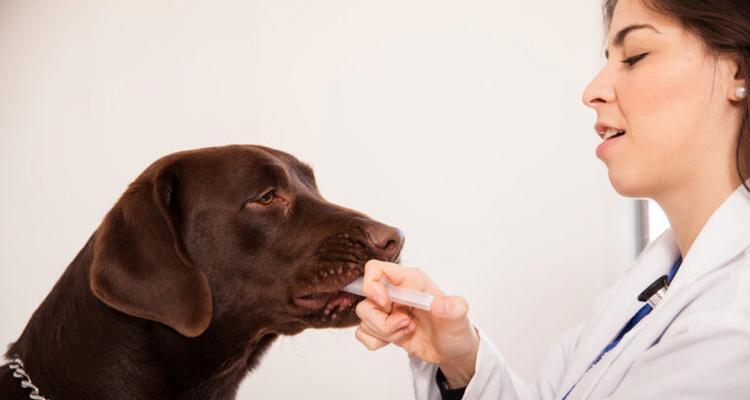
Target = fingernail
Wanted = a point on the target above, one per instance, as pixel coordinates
(443, 306)
(404, 323)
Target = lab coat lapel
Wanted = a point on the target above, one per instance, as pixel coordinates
(605, 380)
(725, 235)
(619, 305)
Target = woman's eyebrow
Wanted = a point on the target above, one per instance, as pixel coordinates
(620, 36)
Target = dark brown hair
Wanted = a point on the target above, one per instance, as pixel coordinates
(724, 27)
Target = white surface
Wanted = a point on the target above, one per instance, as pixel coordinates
(458, 122)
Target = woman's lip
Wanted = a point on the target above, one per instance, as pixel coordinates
(605, 144)
(602, 127)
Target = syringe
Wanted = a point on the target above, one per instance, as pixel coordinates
(397, 294)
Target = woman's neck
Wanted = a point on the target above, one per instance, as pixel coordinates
(691, 206)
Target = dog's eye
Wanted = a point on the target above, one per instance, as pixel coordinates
(267, 198)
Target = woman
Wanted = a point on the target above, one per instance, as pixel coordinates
(672, 111)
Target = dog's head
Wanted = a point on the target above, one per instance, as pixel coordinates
(233, 233)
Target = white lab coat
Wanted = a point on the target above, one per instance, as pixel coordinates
(694, 345)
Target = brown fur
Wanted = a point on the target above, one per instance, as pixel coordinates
(190, 277)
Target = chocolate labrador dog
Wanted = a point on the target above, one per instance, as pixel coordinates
(203, 262)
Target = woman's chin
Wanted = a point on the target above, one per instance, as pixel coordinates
(627, 185)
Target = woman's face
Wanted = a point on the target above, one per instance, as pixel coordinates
(672, 98)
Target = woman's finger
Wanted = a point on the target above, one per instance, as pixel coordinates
(371, 342)
(395, 337)
(403, 335)
(398, 275)
(388, 335)
(379, 322)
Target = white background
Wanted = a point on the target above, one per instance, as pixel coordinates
(657, 220)
(458, 121)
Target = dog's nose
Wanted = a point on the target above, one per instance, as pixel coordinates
(386, 238)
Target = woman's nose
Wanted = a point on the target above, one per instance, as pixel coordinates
(599, 91)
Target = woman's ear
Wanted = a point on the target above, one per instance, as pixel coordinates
(736, 73)
(140, 266)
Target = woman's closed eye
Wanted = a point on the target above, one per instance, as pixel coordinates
(631, 61)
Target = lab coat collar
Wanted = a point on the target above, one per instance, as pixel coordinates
(620, 303)
(725, 234)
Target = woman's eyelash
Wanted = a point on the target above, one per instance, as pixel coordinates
(634, 59)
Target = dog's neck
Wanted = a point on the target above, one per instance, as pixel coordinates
(75, 346)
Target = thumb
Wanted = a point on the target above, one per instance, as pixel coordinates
(449, 309)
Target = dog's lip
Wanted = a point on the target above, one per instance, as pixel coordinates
(314, 300)
(329, 291)
(320, 296)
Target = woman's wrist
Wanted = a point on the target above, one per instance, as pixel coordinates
(458, 372)
(456, 376)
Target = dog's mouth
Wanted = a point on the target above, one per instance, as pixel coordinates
(341, 260)
(329, 302)
(328, 297)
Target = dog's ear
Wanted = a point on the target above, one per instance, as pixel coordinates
(140, 265)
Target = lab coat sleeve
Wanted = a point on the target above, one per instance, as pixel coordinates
(494, 379)
(702, 356)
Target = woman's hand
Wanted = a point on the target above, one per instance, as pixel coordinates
(442, 336)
